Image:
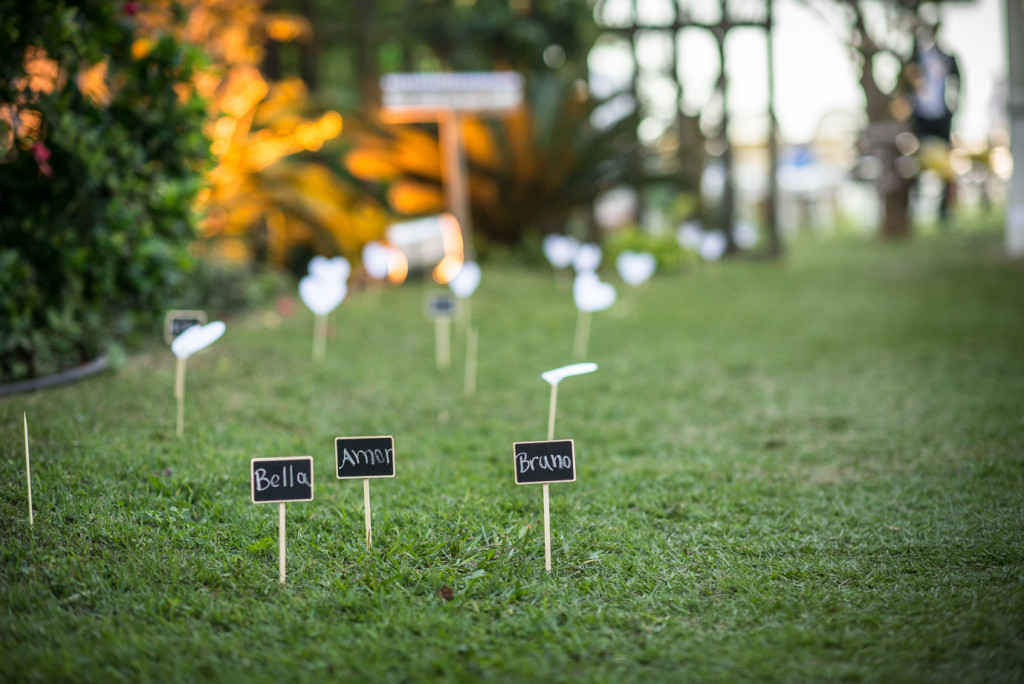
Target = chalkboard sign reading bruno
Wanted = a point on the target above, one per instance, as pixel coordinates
(365, 456)
(277, 480)
(540, 462)
(178, 321)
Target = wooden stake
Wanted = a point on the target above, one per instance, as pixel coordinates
(582, 334)
(547, 530)
(366, 512)
(551, 411)
(281, 540)
(442, 342)
(320, 338)
(465, 313)
(472, 338)
(179, 392)
(28, 471)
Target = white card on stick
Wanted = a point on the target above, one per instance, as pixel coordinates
(560, 250)
(556, 375)
(636, 268)
(591, 294)
(588, 257)
(196, 338)
(466, 281)
(322, 294)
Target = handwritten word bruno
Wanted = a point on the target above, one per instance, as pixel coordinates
(286, 478)
(357, 457)
(551, 462)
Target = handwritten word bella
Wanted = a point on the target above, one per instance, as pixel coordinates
(287, 478)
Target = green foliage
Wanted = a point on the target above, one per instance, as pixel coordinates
(664, 247)
(93, 238)
(808, 473)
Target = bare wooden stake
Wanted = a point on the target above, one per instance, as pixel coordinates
(547, 530)
(582, 340)
(281, 555)
(472, 338)
(320, 338)
(366, 512)
(442, 340)
(179, 393)
(28, 472)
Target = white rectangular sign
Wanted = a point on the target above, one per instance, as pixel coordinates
(462, 92)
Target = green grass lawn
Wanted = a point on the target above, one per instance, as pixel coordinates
(805, 471)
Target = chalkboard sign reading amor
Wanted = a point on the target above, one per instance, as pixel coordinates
(365, 457)
(544, 462)
(178, 321)
(277, 480)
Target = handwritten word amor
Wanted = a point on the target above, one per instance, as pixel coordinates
(550, 462)
(358, 457)
(287, 478)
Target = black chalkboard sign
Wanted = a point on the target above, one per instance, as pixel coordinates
(365, 457)
(540, 462)
(440, 305)
(276, 480)
(178, 321)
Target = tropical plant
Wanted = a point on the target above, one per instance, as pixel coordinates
(101, 154)
(272, 192)
(529, 171)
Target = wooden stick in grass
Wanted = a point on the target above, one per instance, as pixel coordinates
(28, 472)
(319, 337)
(280, 480)
(282, 556)
(365, 458)
(179, 393)
(366, 512)
(472, 339)
(443, 342)
(550, 461)
(590, 295)
(185, 345)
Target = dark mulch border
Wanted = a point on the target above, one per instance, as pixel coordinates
(64, 377)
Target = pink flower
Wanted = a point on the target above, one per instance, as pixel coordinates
(131, 8)
(41, 153)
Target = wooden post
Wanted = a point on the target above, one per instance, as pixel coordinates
(366, 512)
(320, 338)
(442, 342)
(281, 540)
(582, 341)
(472, 339)
(179, 393)
(454, 172)
(28, 471)
(551, 411)
(547, 529)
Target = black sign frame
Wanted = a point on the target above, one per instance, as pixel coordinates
(563, 449)
(440, 306)
(281, 464)
(372, 444)
(174, 319)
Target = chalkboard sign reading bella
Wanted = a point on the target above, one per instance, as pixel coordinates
(178, 321)
(277, 480)
(440, 305)
(543, 462)
(365, 457)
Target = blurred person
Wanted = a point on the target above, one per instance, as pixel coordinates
(934, 77)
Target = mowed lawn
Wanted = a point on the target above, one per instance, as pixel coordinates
(804, 471)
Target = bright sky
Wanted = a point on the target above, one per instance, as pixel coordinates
(813, 72)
